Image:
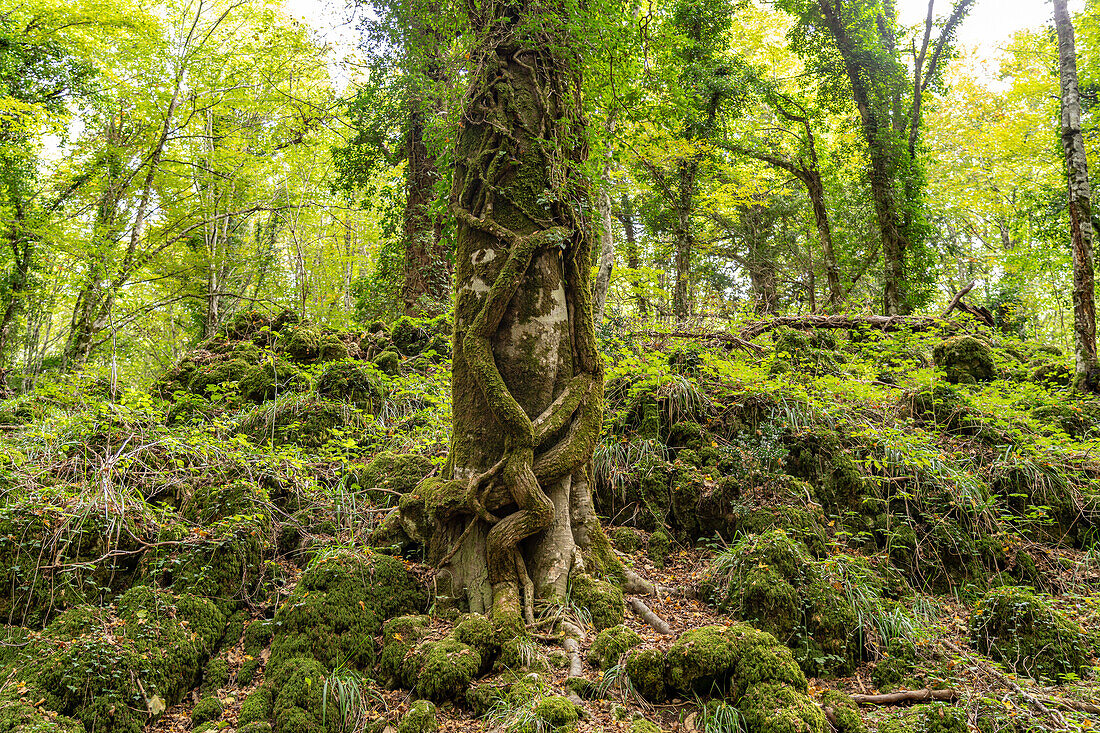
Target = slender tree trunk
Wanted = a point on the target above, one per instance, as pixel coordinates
(1080, 207)
(632, 256)
(427, 272)
(685, 240)
(607, 257)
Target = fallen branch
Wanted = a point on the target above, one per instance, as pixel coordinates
(1035, 702)
(1074, 705)
(646, 614)
(906, 696)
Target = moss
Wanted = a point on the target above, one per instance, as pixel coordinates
(353, 382)
(388, 362)
(331, 348)
(212, 501)
(226, 566)
(611, 644)
(832, 644)
(397, 666)
(216, 674)
(557, 711)
(420, 718)
(476, 631)
(777, 708)
(244, 324)
(644, 726)
(845, 712)
(718, 657)
(299, 704)
(206, 709)
(339, 606)
(306, 422)
(769, 602)
(646, 671)
(409, 335)
(260, 726)
(268, 380)
(897, 663)
(257, 635)
(1022, 629)
(149, 635)
(394, 473)
(942, 718)
(965, 359)
(447, 667)
(1052, 374)
(300, 342)
(625, 539)
(219, 374)
(659, 547)
(20, 713)
(256, 707)
(602, 600)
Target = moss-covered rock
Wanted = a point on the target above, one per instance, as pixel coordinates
(659, 547)
(394, 473)
(397, 665)
(300, 342)
(257, 635)
(256, 707)
(1023, 630)
(338, 608)
(331, 348)
(611, 644)
(149, 635)
(21, 713)
(646, 670)
(624, 539)
(388, 362)
(353, 382)
(477, 632)
(729, 658)
(445, 668)
(778, 708)
(216, 674)
(602, 600)
(219, 375)
(269, 379)
(965, 359)
(206, 709)
(304, 421)
(644, 726)
(299, 705)
(844, 710)
(420, 718)
(557, 712)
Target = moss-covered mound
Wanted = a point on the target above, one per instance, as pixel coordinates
(611, 644)
(965, 359)
(304, 421)
(113, 667)
(351, 381)
(339, 606)
(771, 581)
(1023, 630)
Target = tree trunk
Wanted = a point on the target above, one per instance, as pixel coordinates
(427, 272)
(685, 240)
(1080, 207)
(607, 258)
(632, 256)
(512, 516)
(816, 191)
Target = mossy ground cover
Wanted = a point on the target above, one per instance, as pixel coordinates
(828, 514)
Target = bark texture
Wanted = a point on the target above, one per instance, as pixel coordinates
(512, 515)
(1080, 206)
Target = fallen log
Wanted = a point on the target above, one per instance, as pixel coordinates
(906, 696)
(728, 339)
(1074, 705)
(882, 323)
(646, 614)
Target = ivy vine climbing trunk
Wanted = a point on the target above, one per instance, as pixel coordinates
(511, 519)
(1080, 207)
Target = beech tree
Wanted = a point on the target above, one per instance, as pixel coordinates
(1087, 373)
(511, 520)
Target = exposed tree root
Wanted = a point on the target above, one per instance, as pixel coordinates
(646, 614)
(906, 696)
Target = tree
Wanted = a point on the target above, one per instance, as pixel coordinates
(1087, 372)
(514, 511)
(856, 42)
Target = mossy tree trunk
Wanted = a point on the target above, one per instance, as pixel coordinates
(1080, 207)
(512, 518)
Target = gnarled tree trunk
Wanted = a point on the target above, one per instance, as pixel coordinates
(512, 516)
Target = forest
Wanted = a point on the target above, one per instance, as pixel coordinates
(548, 366)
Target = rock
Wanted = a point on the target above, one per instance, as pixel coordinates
(965, 359)
(611, 644)
(207, 709)
(602, 600)
(1023, 630)
(352, 382)
(420, 718)
(556, 712)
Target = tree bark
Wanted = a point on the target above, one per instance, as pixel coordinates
(511, 517)
(633, 259)
(685, 239)
(427, 271)
(1080, 207)
(607, 258)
